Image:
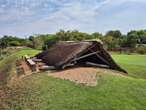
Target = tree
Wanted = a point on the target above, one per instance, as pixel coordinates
(132, 39)
(108, 41)
(11, 41)
(142, 36)
(96, 35)
(14, 43)
(115, 34)
(61, 35)
(72, 35)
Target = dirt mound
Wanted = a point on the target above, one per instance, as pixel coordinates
(83, 75)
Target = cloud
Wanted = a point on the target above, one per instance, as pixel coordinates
(48, 16)
(71, 15)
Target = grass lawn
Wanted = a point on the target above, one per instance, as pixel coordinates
(134, 64)
(40, 92)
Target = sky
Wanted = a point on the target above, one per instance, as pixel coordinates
(27, 17)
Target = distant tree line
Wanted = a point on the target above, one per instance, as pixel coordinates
(113, 40)
(7, 41)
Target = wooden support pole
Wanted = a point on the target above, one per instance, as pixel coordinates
(84, 56)
(97, 65)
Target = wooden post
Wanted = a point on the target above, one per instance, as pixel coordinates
(84, 56)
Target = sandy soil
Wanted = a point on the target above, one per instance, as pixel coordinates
(82, 75)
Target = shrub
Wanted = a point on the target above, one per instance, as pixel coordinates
(14, 43)
(141, 50)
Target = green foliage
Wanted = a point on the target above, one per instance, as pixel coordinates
(108, 40)
(112, 42)
(113, 39)
(136, 37)
(39, 41)
(141, 49)
(121, 41)
(96, 35)
(142, 36)
(14, 43)
(132, 39)
(114, 34)
(72, 36)
(11, 41)
(76, 36)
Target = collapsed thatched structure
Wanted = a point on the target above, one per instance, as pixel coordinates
(64, 54)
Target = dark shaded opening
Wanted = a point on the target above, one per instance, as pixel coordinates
(92, 59)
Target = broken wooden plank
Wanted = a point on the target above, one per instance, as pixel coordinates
(30, 62)
(36, 59)
(45, 67)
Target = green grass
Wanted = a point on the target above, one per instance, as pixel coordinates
(113, 92)
(41, 92)
(134, 64)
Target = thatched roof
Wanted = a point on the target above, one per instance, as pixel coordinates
(62, 54)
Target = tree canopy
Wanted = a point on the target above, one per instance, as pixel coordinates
(112, 39)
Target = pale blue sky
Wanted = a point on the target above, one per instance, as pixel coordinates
(26, 17)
